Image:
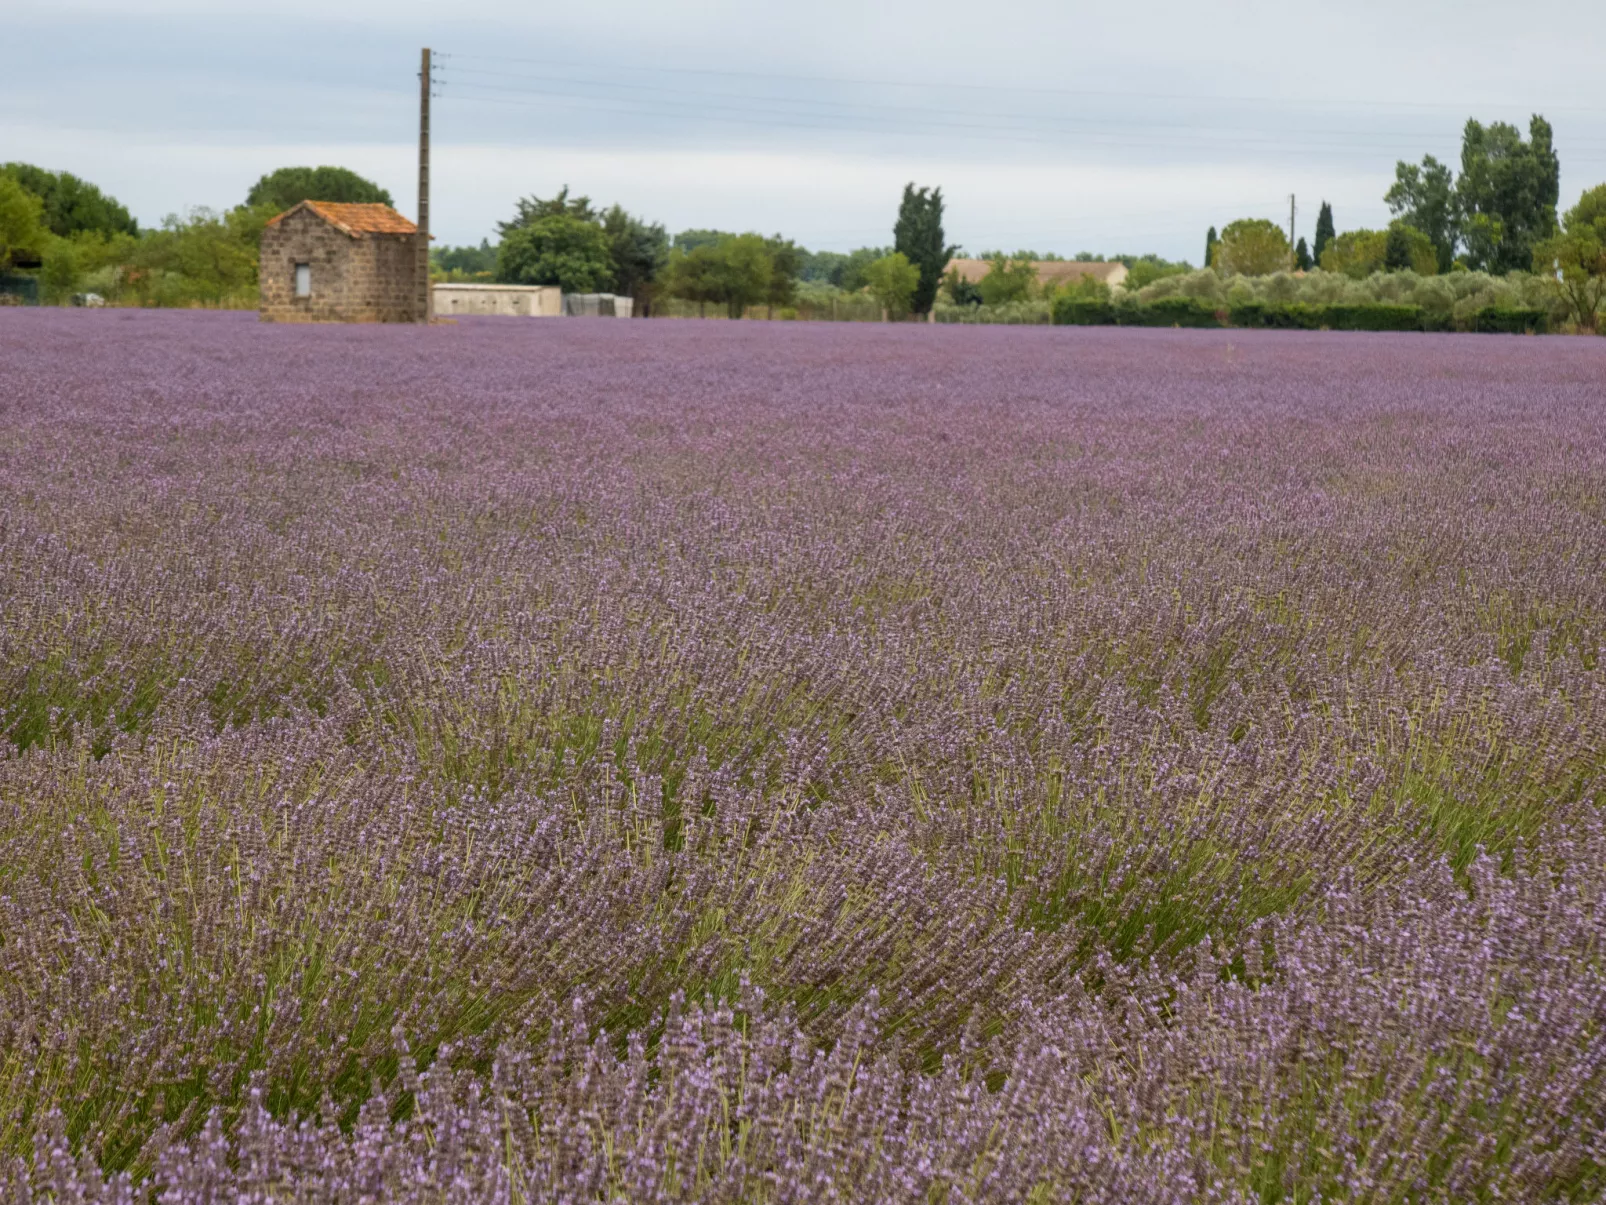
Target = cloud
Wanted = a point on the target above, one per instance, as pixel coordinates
(1056, 126)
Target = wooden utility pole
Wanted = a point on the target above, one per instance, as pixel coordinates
(425, 81)
(1291, 258)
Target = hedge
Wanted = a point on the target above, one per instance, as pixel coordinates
(1081, 311)
(1270, 315)
(1514, 320)
(1373, 316)
(1168, 311)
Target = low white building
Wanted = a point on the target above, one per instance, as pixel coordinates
(597, 305)
(510, 301)
(525, 301)
(1049, 271)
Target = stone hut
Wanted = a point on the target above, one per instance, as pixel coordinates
(323, 261)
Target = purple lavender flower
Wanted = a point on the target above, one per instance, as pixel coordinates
(725, 762)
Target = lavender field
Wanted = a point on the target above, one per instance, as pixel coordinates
(665, 761)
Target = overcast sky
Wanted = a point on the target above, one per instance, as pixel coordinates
(1056, 126)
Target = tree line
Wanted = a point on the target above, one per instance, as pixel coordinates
(73, 239)
(1498, 216)
(571, 243)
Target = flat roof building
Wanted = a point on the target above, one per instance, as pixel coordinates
(515, 301)
(1049, 271)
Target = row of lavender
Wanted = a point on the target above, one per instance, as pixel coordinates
(656, 762)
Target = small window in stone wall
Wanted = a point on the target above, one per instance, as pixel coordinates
(303, 280)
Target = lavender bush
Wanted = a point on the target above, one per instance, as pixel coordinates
(673, 761)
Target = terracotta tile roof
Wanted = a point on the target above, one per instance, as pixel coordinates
(355, 220)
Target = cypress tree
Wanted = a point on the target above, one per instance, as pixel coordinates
(1324, 231)
(1397, 250)
(1210, 248)
(1302, 260)
(918, 234)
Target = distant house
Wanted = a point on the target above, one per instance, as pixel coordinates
(515, 301)
(324, 261)
(1056, 272)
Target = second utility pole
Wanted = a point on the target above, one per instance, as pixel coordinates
(425, 81)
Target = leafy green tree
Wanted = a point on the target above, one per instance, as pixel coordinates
(1143, 270)
(1397, 249)
(205, 256)
(288, 186)
(1424, 198)
(736, 272)
(918, 237)
(61, 271)
(745, 272)
(529, 210)
(1356, 253)
(692, 275)
(464, 263)
(894, 282)
(22, 230)
(1359, 253)
(690, 240)
(1253, 247)
(1420, 253)
(1507, 193)
(638, 251)
(1575, 259)
(960, 290)
(1210, 247)
(786, 262)
(71, 205)
(1008, 279)
(559, 249)
(852, 276)
(1325, 231)
(1590, 211)
(1027, 255)
(1483, 234)
(822, 266)
(67, 261)
(1302, 260)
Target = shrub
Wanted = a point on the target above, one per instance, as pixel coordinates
(1374, 316)
(1035, 312)
(1510, 320)
(1274, 316)
(1007, 280)
(1256, 313)
(1073, 310)
(1169, 311)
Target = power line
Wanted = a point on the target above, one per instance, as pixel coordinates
(1039, 90)
(749, 114)
(852, 108)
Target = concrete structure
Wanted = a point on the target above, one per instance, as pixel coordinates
(1055, 272)
(512, 301)
(328, 262)
(598, 305)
